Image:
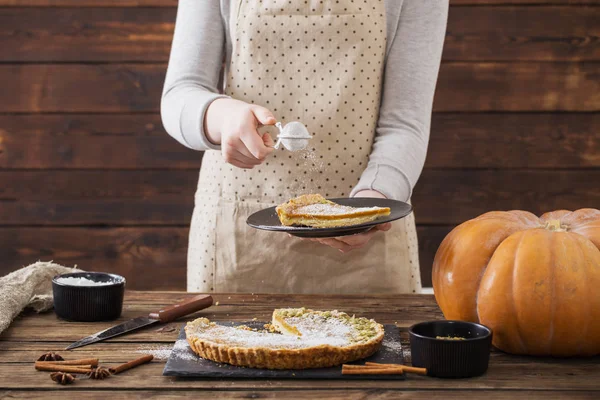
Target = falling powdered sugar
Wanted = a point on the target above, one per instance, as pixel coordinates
(311, 162)
(309, 165)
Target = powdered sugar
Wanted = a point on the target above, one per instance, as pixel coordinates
(159, 352)
(180, 344)
(308, 166)
(329, 209)
(311, 161)
(80, 281)
(392, 344)
(182, 351)
(179, 350)
(315, 330)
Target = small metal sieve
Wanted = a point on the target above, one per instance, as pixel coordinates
(294, 136)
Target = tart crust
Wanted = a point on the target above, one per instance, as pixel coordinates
(316, 211)
(366, 338)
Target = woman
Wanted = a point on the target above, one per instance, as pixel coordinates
(360, 74)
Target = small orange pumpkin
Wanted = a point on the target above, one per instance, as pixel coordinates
(534, 281)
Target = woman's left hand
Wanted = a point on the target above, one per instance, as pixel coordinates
(351, 242)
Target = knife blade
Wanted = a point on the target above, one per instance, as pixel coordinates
(168, 314)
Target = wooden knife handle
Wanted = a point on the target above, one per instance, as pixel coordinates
(186, 307)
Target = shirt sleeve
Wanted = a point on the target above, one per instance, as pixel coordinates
(193, 72)
(411, 70)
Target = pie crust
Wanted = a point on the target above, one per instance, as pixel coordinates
(315, 211)
(305, 339)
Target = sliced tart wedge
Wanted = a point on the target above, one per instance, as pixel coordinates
(315, 211)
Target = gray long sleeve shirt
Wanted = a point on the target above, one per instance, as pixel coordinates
(415, 31)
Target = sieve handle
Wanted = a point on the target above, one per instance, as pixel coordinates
(280, 127)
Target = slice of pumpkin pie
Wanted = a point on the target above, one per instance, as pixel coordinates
(315, 211)
(298, 338)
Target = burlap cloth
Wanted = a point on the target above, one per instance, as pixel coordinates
(30, 286)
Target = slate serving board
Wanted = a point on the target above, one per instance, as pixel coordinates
(183, 362)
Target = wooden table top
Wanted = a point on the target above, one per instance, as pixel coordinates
(32, 335)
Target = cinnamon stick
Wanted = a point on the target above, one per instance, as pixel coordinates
(406, 368)
(77, 369)
(415, 370)
(355, 366)
(131, 364)
(366, 370)
(84, 361)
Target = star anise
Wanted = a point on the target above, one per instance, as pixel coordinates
(99, 373)
(62, 377)
(50, 356)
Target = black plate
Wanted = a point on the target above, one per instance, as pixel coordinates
(268, 220)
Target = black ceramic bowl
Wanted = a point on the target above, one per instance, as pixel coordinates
(89, 303)
(451, 358)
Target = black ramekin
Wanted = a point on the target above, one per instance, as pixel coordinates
(89, 303)
(446, 358)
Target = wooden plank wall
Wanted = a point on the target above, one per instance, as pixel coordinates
(89, 177)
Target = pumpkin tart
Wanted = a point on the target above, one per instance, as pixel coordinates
(315, 211)
(297, 338)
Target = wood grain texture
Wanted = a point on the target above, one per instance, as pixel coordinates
(166, 197)
(464, 87)
(523, 33)
(96, 185)
(35, 333)
(144, 34)
(86, 34)
(81, 87)
(465, 140)
(520, 86)
(430, 238)
(535, 376)
(354, 394)
(454, 196)
(150, 258)
(112, 141)
(514, 140)
(108, 351)
(97, 197)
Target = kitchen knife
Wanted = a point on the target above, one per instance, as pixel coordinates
(168, 314)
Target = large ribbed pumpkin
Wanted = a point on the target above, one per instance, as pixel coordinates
(534, 281)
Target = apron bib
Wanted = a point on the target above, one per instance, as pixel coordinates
(320, 63)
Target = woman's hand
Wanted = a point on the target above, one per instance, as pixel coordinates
(234, 125)
(348, 243)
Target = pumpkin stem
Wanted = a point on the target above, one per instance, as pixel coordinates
(555, 226)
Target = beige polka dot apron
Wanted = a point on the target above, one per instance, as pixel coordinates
(321, 63)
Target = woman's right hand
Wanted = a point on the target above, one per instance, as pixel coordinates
(234, 125)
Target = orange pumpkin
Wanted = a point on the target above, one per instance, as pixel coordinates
(534, 281)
